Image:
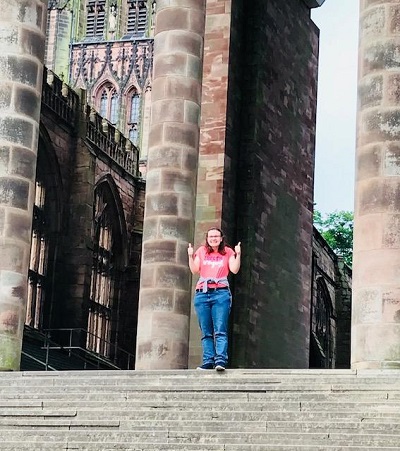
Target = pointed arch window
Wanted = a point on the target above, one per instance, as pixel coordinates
(137, 18)
(44, 233)
(134, 116)
(114, 108)
(38, 260)
(95, 18)
(104, 286)
(108, 103)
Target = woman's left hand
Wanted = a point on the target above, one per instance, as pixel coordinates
(238, 249)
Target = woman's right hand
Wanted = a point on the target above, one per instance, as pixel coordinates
(190, 250)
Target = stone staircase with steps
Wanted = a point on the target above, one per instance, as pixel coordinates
(238, 410)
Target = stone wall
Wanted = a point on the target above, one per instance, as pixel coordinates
(271, 308)
(343, 312)
(79, 151)
(212, 176)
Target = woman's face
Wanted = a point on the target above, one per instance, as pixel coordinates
(214, 238)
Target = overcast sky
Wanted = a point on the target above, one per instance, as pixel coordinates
(337, 98)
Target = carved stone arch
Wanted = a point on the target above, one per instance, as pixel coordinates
(101, 85)
(106, 98)
(109, 261)
(107, 180)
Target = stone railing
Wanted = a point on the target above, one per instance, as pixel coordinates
(65, 103)
(59, 97)
(109, 139)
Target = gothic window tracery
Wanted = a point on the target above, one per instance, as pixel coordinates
(134, 116)
(108, 103)
(38, 260)
(95, 18)
(137, 18)
(104, 279)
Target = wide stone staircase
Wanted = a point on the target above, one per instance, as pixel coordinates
(238, 410)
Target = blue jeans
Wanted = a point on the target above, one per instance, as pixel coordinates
(213, 309)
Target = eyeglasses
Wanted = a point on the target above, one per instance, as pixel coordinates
(214, 236)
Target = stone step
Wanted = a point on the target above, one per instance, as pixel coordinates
(88, 446)
(385, 427)
(229, 413)
(195, 410)
(228, 377)
(33, 391)
(124, 410)
(158, 416)
(265, 415)
(233, 405)
(110, 397)
(303, 377)
(219, 437)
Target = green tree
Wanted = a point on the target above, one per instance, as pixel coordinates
(337, 230)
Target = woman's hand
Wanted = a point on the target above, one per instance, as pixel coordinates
(194, 263)
(238, 249)
(234, 261)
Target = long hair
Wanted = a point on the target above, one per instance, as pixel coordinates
(221, 247)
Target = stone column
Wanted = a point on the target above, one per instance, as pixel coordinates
(376, 270)
(164, 300)
(22, 25)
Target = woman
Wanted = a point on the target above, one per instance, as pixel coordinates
(212, 300)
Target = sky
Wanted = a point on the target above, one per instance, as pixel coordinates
(337, 100)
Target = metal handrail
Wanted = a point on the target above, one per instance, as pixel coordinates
(118, 351)
(45, 364)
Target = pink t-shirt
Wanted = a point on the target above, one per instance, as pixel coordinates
(214, 265)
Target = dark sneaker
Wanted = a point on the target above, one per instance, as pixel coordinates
(206, 366)
(220, 367)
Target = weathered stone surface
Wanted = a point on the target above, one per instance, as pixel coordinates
(19, 69)
(27, 102)
(170, 276)
(162, 204)
(381, 345)
(32, 43)
(170, 181)
(391, 159)
(369, 162)
(17, 130)
(18, 226)
(172, 110)
(4, 160)
(170, 19)
(157, 299)
(159, 251)
(181, 134)
(178, 182)
(179, 41)
(372, 23)
(14, 193)
(23, 163)
(169, 64)
(370, 91)
(189, 89)
(172, 227)
(22, 52)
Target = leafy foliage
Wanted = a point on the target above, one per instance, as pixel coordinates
(337, 230)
